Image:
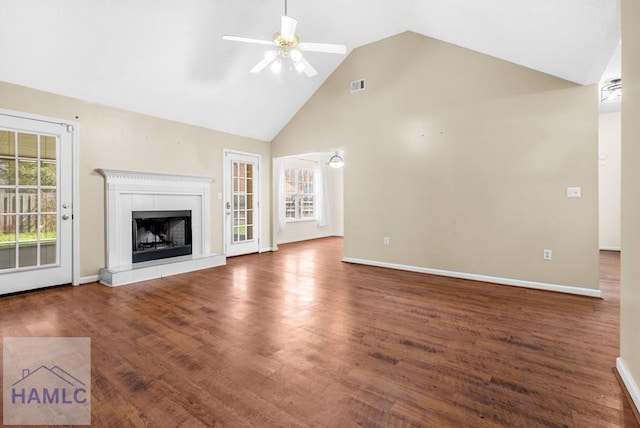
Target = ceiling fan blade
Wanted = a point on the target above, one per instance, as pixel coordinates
(248, 40)
(269, 57)
(288, 27)
(323, 47)
(308, 69)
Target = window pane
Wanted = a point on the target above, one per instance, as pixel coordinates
(48, 226)
(239, 233)
(249, 170)
(48, 200)
(249, 217)
(7, 143)
(28, 173)
(7, 201)
(306, 207)
(48, 234)
(249, 233)
(290, 206)
(290, 180)
(48, 252)
(27, 240)
(241, 218)
(27, 145)
(28, 200)
(48, 147)
(48, 174)
(7, 171)
(7, 242)
(27, 227)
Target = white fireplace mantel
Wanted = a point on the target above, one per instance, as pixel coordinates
(128, 191)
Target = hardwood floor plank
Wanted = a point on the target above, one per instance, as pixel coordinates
(299, 338)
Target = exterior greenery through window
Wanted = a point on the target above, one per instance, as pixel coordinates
(300, 197)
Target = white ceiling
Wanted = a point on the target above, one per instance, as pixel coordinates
(166, 58)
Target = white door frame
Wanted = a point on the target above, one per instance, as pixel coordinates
(74, 128)
(227, 196)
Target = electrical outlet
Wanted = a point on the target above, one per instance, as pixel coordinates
(386, 240)
(547, 254)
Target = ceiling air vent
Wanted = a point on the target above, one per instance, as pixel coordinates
(357, 85)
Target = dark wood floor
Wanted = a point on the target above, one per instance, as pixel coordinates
(297, 338)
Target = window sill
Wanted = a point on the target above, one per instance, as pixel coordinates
(301, 220)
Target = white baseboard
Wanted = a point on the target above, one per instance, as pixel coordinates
(301, 239)
(267, 249)
(494, 279)
(88, 279)
(308, 238)
(604, 248)
(629, 382)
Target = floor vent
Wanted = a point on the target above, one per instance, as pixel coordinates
(357, 85)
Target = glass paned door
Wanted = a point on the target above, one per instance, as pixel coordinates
(28, 199)
(242, 204)
(35, 193)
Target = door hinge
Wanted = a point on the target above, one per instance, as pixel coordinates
(69, 127)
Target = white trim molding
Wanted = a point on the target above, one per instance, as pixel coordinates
(89, 279)
(475, 277)
(610, 249)
(629, 382)
(128, 191)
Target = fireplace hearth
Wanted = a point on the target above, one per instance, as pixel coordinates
(160, 234)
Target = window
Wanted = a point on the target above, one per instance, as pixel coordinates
(300, 197)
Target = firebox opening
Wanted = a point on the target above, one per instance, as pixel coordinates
(160, 234)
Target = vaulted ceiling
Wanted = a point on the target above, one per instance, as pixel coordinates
(166, 58)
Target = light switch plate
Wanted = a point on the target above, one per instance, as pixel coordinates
(573, 192)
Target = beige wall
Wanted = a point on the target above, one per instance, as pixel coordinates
(461, 159)
(113, 138)
(630, 272)
(609, 175)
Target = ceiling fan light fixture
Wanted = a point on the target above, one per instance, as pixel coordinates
(276, 66)
(270, 54)
(288, 48)
(336, 161)
(612, 91)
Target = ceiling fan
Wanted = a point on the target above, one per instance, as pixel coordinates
(285, 46)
